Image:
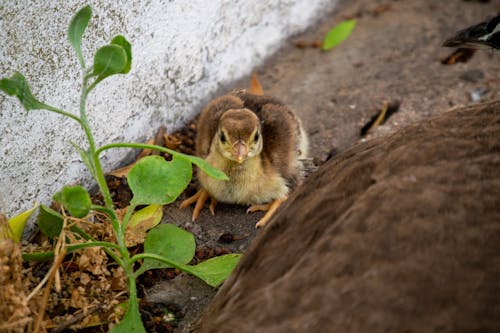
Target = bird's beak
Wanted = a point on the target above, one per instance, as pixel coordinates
(240, 151)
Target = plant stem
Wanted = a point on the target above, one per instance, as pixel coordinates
(128, 215)
(43, 256)
(167, 261)
(64, 113)
(101, 181)
(139, 146)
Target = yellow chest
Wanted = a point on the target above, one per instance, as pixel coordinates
(248, 182)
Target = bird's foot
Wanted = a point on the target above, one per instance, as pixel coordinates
(200, 198)
(270, 209)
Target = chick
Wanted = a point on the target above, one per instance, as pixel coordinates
(483, 34)
(259, 143)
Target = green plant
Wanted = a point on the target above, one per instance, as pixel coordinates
(153, 181)
(338, 34)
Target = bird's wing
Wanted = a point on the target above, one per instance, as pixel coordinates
(209, 120)
(486, 33)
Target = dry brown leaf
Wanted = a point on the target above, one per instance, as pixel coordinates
(303, 44)
(255, 86)
(172, 142)
(458, 55)
(14, 310)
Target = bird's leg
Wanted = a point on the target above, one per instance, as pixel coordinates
(256, 208)
(200, 197)
(213, 203)
(271, 209)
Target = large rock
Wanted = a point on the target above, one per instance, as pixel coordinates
(399, 234)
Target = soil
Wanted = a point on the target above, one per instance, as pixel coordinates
(393, 58)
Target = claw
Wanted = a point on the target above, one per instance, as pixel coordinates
(256, 208)
(200, 197)
(213, 203)
(271, 209)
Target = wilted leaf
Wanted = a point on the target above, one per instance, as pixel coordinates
(18, 86)
(76, 28)
(140, 222)
(50, 222)
(16, 225)
(215, 270)
(75, 199)
(338, 34)
(255, 86)
(156, 181)
(458, 55)
(120, 40)
(109, 60)
(170, 242)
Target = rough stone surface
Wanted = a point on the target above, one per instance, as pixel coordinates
(183, 51)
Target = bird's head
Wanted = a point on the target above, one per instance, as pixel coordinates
(239, 137)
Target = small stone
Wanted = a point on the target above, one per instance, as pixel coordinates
(473, 75)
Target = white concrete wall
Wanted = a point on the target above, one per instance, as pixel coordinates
(183, 50)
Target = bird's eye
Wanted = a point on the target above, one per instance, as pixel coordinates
(256, 137)
(222, 137)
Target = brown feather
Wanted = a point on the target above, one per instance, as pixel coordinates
(209, 121)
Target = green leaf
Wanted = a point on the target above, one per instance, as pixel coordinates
(338, 34)
(206, 167)
(50, 222)
(17, 223)
(171, 242)
(120, 40)
(215, 270)
(18, 86)
(131, 322)
(76, 28)
(156, 181)
(109, 60)
(75, 199)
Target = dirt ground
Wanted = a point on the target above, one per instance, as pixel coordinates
(394, 55)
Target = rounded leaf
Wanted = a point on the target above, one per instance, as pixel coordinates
(171, 242)
(123, 42)
(109, 60)
(75, 199)
(50, 222)
(156, 181)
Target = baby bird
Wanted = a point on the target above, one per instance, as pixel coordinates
(261, 146)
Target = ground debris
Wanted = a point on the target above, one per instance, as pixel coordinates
(14, 310)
